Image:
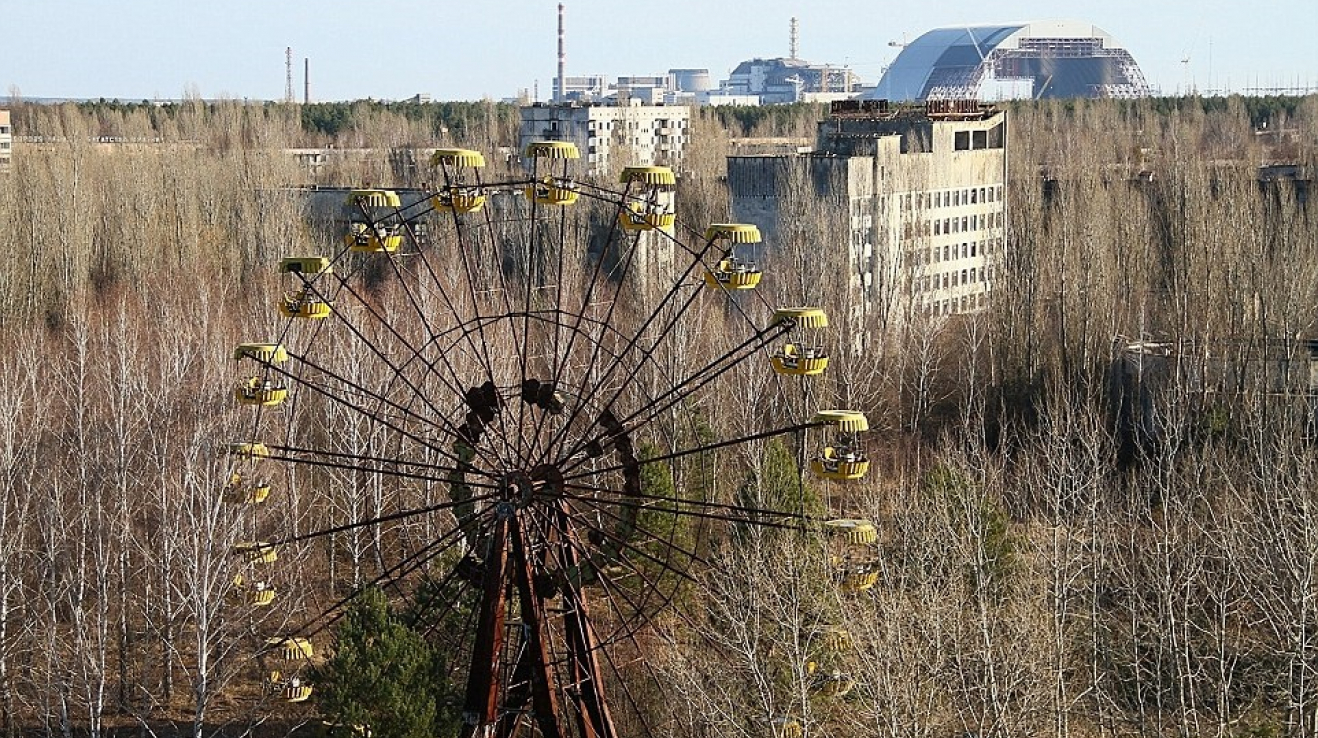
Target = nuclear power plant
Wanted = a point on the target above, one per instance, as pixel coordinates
(1043, 59)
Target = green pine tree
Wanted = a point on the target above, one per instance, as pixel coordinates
(381, 678)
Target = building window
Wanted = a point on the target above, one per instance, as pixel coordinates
(962, 142)
(947, 252)
(938, 228)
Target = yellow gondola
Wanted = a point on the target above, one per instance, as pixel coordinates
(378, 238)
(796, 358)
(457, 158)
(374, 199)
(304, 304)
(256, 552)
(552, 150)
(238, 491)
(459, 198)
(305, 265)
(263, 353)
(553, 191)
(734, 274)
(842, 457)
(249, 450)
(853, 532)
(290, 649)
(258, 391)
(256, 594)
(639, 216)
(652, 176)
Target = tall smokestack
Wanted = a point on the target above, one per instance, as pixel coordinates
(792, 42)
(306, 80)
(561, 92)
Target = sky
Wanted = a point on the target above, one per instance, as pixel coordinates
(394, 49)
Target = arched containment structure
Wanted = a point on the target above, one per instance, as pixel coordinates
(1058, 58)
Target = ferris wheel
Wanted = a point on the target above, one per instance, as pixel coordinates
(516, 384)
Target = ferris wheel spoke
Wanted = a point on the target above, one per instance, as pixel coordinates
(723, 512)
(352, 462)
(633, 341)
(478, 347)
(627, 545)
(391, 517)
(332, 614)
(477, 340)
(694, 450)
(595, 505)
(638, 613)
(657, 406)
(374, 417)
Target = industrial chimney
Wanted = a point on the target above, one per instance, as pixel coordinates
(561, 92)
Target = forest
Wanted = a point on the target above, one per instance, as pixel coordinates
(1095, 501)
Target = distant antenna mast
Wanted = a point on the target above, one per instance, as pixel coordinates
(306, 80)
(288, 74)
(793, 43)
(561, 92)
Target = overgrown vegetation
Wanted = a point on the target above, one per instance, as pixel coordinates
(1063, 551)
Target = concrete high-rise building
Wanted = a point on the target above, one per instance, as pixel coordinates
(6, 139)
(611, 136)
(923, 190)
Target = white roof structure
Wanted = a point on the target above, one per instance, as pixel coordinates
(1054, 58)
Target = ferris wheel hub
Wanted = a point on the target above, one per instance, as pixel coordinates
(519, 489)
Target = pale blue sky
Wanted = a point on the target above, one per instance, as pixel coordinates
(392, 49)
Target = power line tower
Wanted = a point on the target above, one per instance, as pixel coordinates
(288, 74)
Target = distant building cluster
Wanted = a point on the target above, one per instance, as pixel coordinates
(753, 82)
(1042, 59)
